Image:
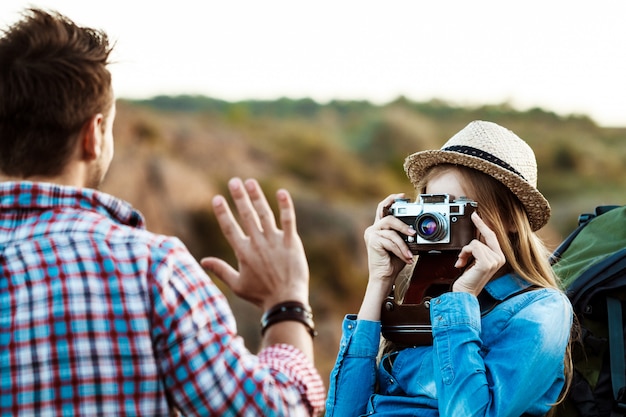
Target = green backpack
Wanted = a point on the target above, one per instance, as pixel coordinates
(591, 263)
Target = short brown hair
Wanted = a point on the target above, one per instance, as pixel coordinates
(53, 79)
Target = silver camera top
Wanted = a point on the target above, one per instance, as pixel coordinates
(404, 207)
(432, 217)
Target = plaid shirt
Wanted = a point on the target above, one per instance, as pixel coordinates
(100, 317)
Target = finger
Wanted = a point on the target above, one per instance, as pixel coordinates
(249, 219)
(221, 270)
(392, 242)
(383, 207)
(391, 228)
(287, 215)
(484, 258)
(394, 223)
(465, 255)
(230, 228)
(489, 236)
(263, 210)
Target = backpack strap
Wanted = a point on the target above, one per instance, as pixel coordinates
(616, 355)
(488, 303)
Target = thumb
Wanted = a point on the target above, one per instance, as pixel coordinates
(222, 270)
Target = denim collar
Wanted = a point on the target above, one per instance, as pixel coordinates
(506, 285)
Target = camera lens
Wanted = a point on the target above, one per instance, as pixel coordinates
(431, 226)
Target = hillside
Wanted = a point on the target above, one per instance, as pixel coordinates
(173, 154)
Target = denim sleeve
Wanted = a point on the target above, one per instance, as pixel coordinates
(353, 378)
(522, 372)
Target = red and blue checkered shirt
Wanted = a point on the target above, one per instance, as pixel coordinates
(100, 317)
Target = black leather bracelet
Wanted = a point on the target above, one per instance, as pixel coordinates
(289, 311)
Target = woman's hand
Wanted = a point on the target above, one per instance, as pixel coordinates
(487, 259)
(387, 255)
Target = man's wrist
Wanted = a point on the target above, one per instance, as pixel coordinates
(289, 311)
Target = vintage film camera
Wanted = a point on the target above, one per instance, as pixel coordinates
(443, 228)
(440, 224)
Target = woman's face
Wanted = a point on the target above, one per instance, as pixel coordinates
(448, 182)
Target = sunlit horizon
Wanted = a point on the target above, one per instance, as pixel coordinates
(560, 56)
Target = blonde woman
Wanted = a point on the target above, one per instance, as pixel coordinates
(501, 334)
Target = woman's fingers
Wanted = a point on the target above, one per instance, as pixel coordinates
(383, 207)
(488, 235)
(393, 229)
(485, 256)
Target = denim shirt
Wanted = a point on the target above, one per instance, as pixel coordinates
(508, 362)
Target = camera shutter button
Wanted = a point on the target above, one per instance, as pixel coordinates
(411, 239)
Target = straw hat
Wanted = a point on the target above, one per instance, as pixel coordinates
(496, 151)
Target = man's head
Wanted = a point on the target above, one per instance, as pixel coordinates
(54, 83)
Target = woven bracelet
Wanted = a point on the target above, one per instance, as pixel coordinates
(289, 311)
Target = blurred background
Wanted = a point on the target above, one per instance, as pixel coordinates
(326, 99)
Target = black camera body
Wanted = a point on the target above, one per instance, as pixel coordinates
(441, 224)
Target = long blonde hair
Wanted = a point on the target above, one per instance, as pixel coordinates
(525, 253)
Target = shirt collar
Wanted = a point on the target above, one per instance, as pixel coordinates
(500, 288)
(24, 195)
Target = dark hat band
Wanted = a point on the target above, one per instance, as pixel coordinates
(478, 153)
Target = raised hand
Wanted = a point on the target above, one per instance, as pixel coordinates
(272, 265)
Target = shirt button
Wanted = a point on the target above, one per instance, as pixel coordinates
(350, 326)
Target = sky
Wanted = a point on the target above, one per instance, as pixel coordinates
(564, 56)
